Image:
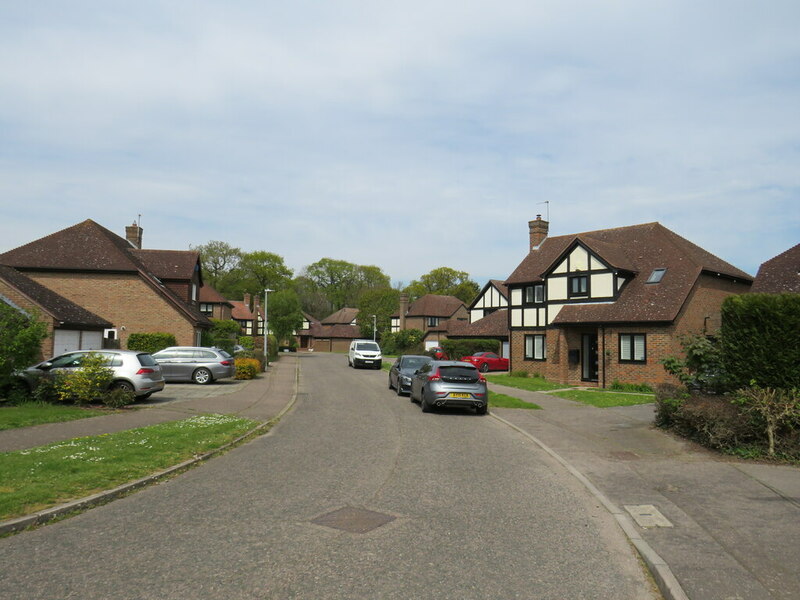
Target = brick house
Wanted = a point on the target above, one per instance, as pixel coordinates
(603, 306)
(336, 331)
(780, 274)
(242, 313)
(69, 326)
(213, 305)
(432, 314)
(113, 278)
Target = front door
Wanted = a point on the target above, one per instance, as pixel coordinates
(589, 352)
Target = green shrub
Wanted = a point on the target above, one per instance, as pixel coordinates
(407, 341)
(21, 337)
(223, 334)
(150, 342)
(669, 400)
(87, 383)
(519, 374)
(117, 398)
(247, 342)
(760, 340)
(455, 349)
(701, 367)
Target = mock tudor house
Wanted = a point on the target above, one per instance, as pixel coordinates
(243, 314)
(432, 314)
(112, 278)
(602, 306)
(488, 317)
(69, 326)
(780, 274)
(305, 335)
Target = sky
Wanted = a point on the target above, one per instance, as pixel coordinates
(408, 135)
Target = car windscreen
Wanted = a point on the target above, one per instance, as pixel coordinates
(146, 360)
(370, 346)
(458, 373)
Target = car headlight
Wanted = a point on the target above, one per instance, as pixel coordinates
(406, 380)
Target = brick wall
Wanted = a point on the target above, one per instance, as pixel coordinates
(124, 300)
(12, 294)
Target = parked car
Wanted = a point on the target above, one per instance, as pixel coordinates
(487, 361)
(192, 363)
(403, 370)
(449, 383)
(364, 353)
(135, 371)
(438, 353)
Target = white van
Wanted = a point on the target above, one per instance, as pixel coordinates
(364, 353)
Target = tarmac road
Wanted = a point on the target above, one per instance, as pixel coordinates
(456, 506)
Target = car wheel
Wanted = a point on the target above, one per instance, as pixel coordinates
(391, 387)
(484, 367)
(399, 388)
(423, 404)
(202, 376)
(123, 385)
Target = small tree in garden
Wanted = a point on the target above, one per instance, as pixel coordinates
(87, 383)
(21, 338)
(775, 407)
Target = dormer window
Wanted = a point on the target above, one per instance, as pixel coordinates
(657, 275)
(578, 286)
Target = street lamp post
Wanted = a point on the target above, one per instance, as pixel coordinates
(374, 326)
(266, 348)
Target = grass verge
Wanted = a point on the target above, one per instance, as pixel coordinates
(503, 401)
(605, 399)
(532, 384)
(39, 413)
(37, 478)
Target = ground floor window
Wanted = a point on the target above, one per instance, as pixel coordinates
(632, 347)
(535, 347)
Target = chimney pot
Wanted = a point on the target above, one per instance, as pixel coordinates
(133, 233)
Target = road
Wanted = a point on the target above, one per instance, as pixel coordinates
(355, 494)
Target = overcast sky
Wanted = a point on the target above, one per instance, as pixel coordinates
(407, 135)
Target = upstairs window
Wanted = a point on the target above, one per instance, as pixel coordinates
(433, 321)
(534, 294)
(206, 309)
(656, 276)
(578, 286)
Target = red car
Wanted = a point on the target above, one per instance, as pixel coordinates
(487, 361)
(439, 353)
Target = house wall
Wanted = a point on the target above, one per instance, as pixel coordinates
(124, 300)
(23, 302)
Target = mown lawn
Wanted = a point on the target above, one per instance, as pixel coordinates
(503, 401)
(39, 413)
(37, 478)
(532, 384)
(605, 399)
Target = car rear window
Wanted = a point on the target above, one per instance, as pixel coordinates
(224, 354)
(204, 354)
(146, 360)
(459, 373)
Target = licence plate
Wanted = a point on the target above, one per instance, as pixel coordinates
(460, 396)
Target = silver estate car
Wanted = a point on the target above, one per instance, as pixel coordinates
(441, 383)
(133, 370)
(191, 363)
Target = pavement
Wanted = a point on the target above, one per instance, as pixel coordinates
(708, 527)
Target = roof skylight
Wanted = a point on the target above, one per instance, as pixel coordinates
(656, 276)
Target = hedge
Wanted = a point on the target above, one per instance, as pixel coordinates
(151, 342)
(455, 349)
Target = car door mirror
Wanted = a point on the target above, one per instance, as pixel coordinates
(45, 366)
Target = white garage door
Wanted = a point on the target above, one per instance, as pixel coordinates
(67, 340)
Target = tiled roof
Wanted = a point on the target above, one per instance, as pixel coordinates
(434, 305)
(343, 316)
(210, 295)
(638, 250)
(350, 332)
(89, 246)
(66, 312)
(241, 311)
(169, 264)
(780, 274)
(492, 325)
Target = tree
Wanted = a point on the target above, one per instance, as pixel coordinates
(444, 281)
(342, 282)
(218, 260)
(21, 338)
(284, 314)
(382, 302)
(256, 272)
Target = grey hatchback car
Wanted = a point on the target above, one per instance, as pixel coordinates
(441, 383)
(193, 363)
(133, 370)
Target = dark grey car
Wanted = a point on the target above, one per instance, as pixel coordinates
(452, 383)
(192, 363)
(403, 370)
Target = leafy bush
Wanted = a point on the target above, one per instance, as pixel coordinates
(701, 368)
(21, 338)
(407, 341)
(760, 340)
(247, 342)
(150, 342)
(223, 334)
(455, 349)
(87, 383)
(247, 368)
(117, 398)
(774, 409)
(519, 374)
(669, 400)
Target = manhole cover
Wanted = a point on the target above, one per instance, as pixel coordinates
(647, 515)
(353, 520)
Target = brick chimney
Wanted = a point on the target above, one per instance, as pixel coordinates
(133, 233)
(246, 299)
(538, 231)
(403, 310)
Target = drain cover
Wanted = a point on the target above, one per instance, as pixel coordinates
(353, 520)
(647, 515)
